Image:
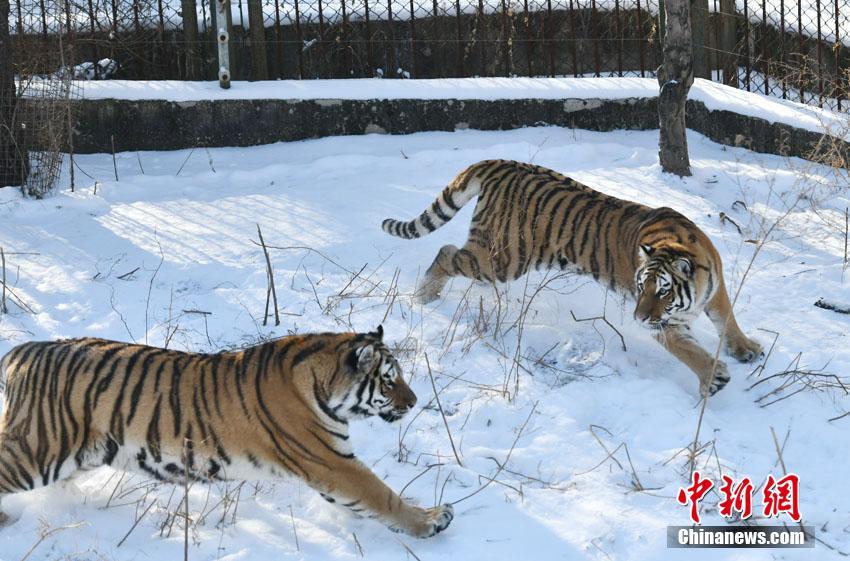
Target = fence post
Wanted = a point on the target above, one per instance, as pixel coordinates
(257, 34)
(728, 43)
(14, 161)
(699, 30)
(190, 36)
(223, 27)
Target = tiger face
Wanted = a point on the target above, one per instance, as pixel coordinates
(666, 290)
(375, 385)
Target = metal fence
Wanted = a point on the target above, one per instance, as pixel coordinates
(787, 48)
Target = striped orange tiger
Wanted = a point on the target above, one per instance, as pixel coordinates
(529, 216)
(278, 408)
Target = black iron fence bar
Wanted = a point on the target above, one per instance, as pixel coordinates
(300, 38)
(320, 43)
(479, 23)
(641, 54)
(594, 26)
(370, 55)
(747, 53)
(548, 36)
(461, 46)
(573, 39)
(820, 55)
(619, 37)
(43, 20)
(505, 40)
(782, 80)
(346, 44)
(413, 70)
(91, 29)
(765, 63)
(278, 48)
(391, 61)
(838, 76)
(529, 55)
(802, 78)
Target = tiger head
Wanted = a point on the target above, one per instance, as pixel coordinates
(374, 384)
(666, 286)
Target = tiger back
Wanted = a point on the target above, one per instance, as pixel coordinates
(528, 216)
(278, 408)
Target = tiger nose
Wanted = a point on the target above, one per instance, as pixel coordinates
(409, 399)
(646, 317)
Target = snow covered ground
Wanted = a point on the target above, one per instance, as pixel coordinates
(140, 257)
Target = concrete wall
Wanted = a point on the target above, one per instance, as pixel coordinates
(166, 125)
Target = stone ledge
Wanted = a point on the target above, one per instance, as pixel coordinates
(167, 125)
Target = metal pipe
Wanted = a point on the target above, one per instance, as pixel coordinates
(221, 7)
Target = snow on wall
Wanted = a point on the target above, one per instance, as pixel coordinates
(715, 96)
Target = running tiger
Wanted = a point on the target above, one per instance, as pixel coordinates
(529, 216)
(278, 408)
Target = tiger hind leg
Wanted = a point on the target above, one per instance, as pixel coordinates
(469, 262)
(19, 471)
(16, 473)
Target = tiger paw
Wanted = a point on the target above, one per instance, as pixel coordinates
(719, 381)
(437, 519)
(744, 350)
(427, 292)
(5, 520)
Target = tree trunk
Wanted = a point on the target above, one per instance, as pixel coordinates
(728, 43)
(699, 27)
(14, 162)
(189, 9)
(257, 34)
(675, 76)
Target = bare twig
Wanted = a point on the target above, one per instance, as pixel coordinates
(44, 534)
(357, 546)
(605, 319)
(442, 413)
(114, 163)
(3, 308)
(407, 548)
(725, 218)
(271, 293)
(186, 469)
(507, 457)
(839, 417)
(294, 531)
(128, 274)
(192, 151)
(150, 286)
(136, 523)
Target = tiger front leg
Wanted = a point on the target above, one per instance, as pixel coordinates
(4, 518)
(356, 487)
(719, 311)
(713, 374)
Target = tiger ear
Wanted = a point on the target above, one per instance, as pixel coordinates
(378, 333)
(684, 266)
(365, 358)
(646, 251)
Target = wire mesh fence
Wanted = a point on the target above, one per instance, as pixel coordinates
(796, 49)
(36, 109)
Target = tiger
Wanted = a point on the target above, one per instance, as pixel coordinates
(528, 216)
(280, 408)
